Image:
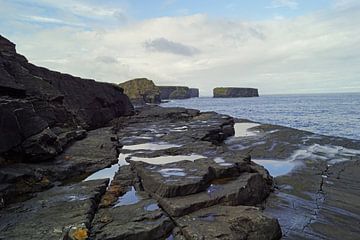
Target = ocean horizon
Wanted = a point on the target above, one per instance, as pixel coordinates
(331, 114)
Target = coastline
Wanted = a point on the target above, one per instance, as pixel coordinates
(310, 200)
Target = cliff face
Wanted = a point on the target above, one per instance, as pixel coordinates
(141, 91)
(194, 92)
(230, 92)
(174, 92)
(42, 110)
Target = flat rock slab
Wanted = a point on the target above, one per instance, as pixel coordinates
(227, 223)
(142, 220)
(52, 213)
(247, 189)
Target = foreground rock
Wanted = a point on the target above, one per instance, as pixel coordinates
(60, 213)
(223, 222)
(318, 190)
(231, 92)
(141, 91)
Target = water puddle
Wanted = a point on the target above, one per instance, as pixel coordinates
(167, 159)
(243, 129)
(129, 198)
(168, 172)
(110, 171)
(222, 162)
(151, 207)
(151, 146)
(331, 154)
(104, 173)
(277, 167)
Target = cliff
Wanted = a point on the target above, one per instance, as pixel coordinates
(174, 92)
(194, 92)
(232, 92)
(141, 91)
(42, 111)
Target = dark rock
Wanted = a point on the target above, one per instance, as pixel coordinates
(194, 92)
(132, 222)
(224, 222)
(141, 91)
(53, 214)
(231, 92)
(34, 98)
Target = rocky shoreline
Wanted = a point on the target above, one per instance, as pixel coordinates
(91, 167)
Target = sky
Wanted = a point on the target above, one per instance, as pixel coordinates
(277, 46)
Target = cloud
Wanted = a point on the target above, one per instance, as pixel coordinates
(167, 46)
(315, 52)
(292, 4)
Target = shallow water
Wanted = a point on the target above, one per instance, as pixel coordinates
(129, 198)
(168, 172)
(150, 146)
(243, 129)
(276, 167)
(168, 159)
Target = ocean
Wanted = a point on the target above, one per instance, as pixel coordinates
(327, 114)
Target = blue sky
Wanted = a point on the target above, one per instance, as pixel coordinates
(278, 46)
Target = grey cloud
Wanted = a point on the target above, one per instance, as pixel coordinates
(106, 59)
(165, 45)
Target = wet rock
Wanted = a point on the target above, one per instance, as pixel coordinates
(247, 189)
(134, 221)
(224, 222)
(53, 214)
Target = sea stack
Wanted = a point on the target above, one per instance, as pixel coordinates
(174, 92)
(141, 91)
(194, 92)
(234, 92)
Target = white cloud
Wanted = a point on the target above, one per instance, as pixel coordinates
(308, 53)
(292, 4)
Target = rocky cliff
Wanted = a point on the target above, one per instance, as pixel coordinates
(42, 110)
(232, 92)
(141, 91)
(194, 92)
(174, 92)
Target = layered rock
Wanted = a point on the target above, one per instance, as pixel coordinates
(174, 92)
(232, 92)
(42, 110)
(141, 91)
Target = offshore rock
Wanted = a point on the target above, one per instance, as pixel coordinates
(141, 91)
(174, 92)
(194, 92)
(232, 92)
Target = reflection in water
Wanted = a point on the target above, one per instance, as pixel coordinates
(129, 198)
(151, 207)
(168, 159)
(151, 146)
(277, 167)
(111, 171)
(168, 172)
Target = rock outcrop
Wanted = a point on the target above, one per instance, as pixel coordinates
(174, 92)
(232, 92)
(42, 111)
(194, 92)
(141, 91)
